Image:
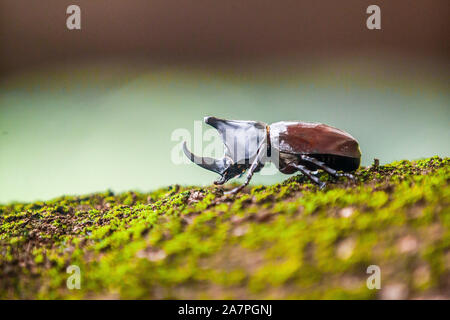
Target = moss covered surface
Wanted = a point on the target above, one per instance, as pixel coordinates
(288, 240)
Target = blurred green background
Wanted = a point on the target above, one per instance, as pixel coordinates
(94, 109)
(90, 129)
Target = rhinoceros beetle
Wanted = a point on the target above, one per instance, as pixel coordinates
(292, 146)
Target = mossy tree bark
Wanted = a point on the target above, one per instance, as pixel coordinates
(288, 240)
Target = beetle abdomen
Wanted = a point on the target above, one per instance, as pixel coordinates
(336, 162)
(312, 138)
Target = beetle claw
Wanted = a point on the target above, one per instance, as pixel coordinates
(221, 181)
(234, 191)
(348, 175)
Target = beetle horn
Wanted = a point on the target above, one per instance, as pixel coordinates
(218, 166)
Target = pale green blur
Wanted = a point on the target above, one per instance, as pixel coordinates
(77, 132)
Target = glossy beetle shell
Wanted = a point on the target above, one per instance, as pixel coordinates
(312, 138)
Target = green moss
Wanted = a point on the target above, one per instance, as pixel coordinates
(288, 240)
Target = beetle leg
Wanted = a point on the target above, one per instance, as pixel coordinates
(325, 168)
(309, 174)
(249, 175)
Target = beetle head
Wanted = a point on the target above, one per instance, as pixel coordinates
(242, 140)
